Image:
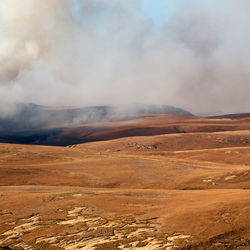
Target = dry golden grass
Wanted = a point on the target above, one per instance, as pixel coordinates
(167, 191)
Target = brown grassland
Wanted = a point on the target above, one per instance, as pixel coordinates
(181, 183)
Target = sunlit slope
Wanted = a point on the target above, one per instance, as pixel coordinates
(187, 190)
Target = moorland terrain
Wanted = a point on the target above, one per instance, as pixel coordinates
(160, 181)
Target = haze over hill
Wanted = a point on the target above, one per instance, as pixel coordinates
(32, 116)
(35, 124)
(31, 123)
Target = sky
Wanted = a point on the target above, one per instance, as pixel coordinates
(191, 54)
(160, 10)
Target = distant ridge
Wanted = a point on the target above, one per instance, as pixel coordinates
(29, 116)
(36, 124)
(232, 116)
(161, 109)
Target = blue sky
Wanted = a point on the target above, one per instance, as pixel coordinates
(158, 10)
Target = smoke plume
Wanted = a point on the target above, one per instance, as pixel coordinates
(112, 52)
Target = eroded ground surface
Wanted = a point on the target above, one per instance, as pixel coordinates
(79, 218)
(170, 191)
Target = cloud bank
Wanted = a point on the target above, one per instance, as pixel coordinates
(112, 52)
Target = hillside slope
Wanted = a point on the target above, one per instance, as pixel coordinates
(182, 190)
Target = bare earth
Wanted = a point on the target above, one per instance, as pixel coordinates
(183, 185)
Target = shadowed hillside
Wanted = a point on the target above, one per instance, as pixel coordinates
(35, 124)
(118, 126)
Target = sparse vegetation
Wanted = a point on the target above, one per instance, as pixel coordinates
(189, 190)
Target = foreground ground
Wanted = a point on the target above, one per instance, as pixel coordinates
(184, 190)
